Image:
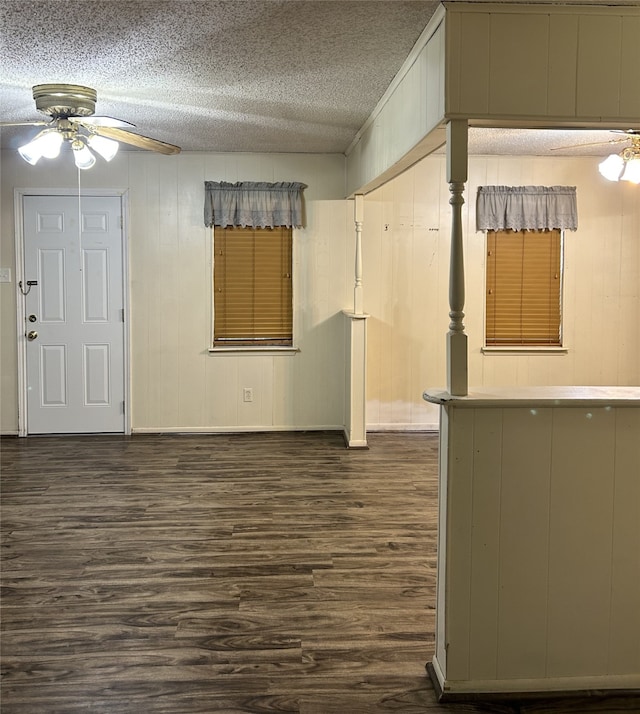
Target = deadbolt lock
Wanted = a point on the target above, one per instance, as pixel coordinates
(32, 318)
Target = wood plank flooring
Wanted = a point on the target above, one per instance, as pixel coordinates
(223, 573)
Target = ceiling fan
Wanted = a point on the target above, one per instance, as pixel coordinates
(622, 166)
(72, 119)
(629, 135)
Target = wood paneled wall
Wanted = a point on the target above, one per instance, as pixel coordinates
(542, 532)
(530, 62)
(411, 108)
(176, 383)
(501, 64)
(406, 278)
(289, 391)
(406, 264)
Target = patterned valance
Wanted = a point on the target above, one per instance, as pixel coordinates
(253, 204)
(526, 208)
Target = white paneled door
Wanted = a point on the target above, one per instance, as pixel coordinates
(74, 328)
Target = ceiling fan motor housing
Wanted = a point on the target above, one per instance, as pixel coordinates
(65, 100)
(633, 151)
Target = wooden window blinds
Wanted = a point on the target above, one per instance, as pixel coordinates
(524, 288)
(252, 286)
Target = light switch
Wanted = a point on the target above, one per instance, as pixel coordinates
(5, 275)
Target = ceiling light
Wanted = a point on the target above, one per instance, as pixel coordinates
(632, 171)
(612, 167)
(624, 166)
(51, 143)
(107, 148)
(47, 144)
(81, 155)
(31, 152)
(70, 110)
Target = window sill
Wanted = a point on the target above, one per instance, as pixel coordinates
(525, 350)
(247, 350)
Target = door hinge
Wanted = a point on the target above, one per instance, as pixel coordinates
(122, 315)
(121, 223)
(122, 406)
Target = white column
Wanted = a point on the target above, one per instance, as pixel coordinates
(457, 370)
(357, 291)
(355, 426)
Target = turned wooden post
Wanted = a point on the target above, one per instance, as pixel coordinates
(357, 291)
(355, 429)
(457, 369)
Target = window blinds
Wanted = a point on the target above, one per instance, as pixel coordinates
(523, 301)
(252, 286)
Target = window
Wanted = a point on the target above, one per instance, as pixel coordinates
(252, 287)
(524, 288)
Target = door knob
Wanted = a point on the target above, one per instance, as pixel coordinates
(32, 334)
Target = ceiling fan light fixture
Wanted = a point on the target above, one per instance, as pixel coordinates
(72, 119)
(51, 143)
(47, 144)
(30, 152)
(632, 171)
(82, 155)
(107, 148)
(612, 167)
(624, 166)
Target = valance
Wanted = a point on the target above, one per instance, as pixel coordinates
(254, 204)
(526, 208)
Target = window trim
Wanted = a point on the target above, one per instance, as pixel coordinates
(560, 348)
(246, 349)
(516, 349)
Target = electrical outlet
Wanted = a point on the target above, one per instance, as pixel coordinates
(5, 275)
(247, 394)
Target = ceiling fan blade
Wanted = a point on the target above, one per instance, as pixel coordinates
(142, 142)
(24, 123)
(101, 121)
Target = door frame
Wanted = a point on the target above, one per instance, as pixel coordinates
(21, 315)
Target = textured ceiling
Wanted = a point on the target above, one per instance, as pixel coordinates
(215, 75)
(225, 75)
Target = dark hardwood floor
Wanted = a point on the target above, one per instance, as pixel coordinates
(227, 573)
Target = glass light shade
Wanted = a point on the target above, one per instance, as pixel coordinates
(612, 167)
(51, 143)
(82, 156)
(107, 148)
(30, 153)
(632, 171)
(47, 144)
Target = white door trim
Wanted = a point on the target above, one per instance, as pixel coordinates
(21, 315)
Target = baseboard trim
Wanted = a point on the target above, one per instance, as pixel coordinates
(403, 427)
(355, 443)
(375, 428)
(228, 429)
(530, 689)
(434, 671)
